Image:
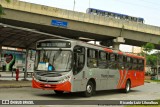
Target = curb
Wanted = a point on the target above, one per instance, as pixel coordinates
(147, 82)
(152, 82)
(13, 86)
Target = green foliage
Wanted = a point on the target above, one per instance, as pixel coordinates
(7, 1)
(151, 60)
(1, 8)
(148, 47)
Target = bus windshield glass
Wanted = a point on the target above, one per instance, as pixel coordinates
(54, 60)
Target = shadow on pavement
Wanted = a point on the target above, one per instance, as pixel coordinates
(77, 95)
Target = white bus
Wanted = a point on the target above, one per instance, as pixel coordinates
(75, 66)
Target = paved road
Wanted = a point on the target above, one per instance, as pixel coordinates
(149, 91)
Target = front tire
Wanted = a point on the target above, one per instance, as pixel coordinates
(90, 89)
(127, 87)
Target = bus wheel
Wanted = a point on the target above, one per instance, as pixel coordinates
(58, 92)
(127, 87)
(89, 89)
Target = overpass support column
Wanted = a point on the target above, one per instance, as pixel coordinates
(0, 57)
(117, 42)
(0, 51)
(26, 63)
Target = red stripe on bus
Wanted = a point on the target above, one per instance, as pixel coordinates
(108, 50)
(120, 78)
(66, 86)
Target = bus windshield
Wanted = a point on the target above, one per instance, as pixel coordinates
(54, 60)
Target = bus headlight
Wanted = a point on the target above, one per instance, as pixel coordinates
(65, 79)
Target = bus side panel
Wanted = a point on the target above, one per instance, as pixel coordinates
(113, 78)
(124, 75)
(121, 73)
(136, 78)
(140, 75)
(133, 77)
(99, 75)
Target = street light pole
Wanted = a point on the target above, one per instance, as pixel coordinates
(157, 64)
(74, 5)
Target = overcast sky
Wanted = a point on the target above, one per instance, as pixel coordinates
(147, 9)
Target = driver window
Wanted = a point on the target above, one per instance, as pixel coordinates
(79, 59)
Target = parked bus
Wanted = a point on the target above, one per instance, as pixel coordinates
(75, 66)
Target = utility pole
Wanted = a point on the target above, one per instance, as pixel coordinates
(74, 5)
(89, 4)
(157, 64)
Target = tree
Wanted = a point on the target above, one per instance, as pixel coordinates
(1, 8)
(150, 58)
(148, 47)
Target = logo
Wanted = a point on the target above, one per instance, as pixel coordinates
(17, 102)
(5, 101)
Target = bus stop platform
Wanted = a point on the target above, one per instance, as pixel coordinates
(7, 80)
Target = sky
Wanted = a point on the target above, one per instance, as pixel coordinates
(147, 9)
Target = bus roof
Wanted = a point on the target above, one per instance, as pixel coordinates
(89, 45)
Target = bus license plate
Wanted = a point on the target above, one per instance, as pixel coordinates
(47, 85)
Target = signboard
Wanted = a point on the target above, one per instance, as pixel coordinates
(54, 44)
(59, 23)
(30, 66)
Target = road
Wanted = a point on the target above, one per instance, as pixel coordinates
(149, 91)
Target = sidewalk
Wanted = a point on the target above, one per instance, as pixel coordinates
(14, 84)
(7, 81)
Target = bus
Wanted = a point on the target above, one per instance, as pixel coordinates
(75, 66)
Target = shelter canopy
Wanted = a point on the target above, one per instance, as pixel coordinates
(12, 36)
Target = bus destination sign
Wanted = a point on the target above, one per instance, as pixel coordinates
(53, 44)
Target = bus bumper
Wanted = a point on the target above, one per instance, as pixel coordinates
(66, 86)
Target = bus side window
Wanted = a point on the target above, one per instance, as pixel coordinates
(102, 63)
(140, 65)
(135, 67)
(128, 64)
(124, 61)
(113, 61)
(120, 62)
(92, 58)
(79, 59)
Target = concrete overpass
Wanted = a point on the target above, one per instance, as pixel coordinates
(39, 18)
